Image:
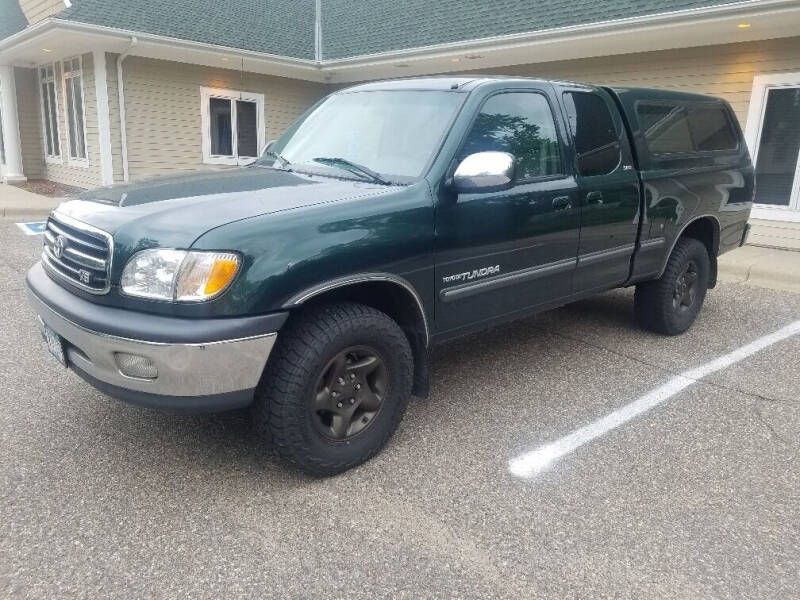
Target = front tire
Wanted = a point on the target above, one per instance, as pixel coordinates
(670, 304)
(335, 387)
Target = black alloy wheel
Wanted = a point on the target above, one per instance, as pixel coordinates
(349, 393)
(686, 288)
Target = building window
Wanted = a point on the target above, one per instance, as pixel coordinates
(47, 89)
(73, 104)
(233, 126)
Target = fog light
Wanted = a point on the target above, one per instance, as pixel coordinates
(133, 365)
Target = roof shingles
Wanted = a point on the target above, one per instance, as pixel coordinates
(281, 27)
(349, 27)
(12, 19)
(352, 29)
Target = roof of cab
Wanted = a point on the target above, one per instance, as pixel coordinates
(441, 83)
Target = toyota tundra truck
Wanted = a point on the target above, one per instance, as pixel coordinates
(312, 285)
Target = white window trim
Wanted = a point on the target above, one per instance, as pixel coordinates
(72, 161)
(762, 84)
(50, 159)
(206, 94)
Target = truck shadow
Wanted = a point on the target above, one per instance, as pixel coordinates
(228, 441)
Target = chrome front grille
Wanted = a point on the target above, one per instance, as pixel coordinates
(78, 253)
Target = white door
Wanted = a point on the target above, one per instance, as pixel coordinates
(773, 135)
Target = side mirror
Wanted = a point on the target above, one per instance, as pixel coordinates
(484, 172)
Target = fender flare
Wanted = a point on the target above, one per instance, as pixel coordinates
(680, 233)
(355, 279)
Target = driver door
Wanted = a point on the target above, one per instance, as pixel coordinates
(503, 252)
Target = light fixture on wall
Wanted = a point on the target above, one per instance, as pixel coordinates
(743, 26)
(46, 50)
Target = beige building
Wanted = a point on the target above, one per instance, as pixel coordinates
(98, 92)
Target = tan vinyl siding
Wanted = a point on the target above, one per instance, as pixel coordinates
(36, 10)
(725, 70)
(162, 104)
(84, 175)
(29, 122)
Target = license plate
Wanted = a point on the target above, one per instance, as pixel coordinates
(54, 343)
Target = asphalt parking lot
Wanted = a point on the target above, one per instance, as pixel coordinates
(696, 497)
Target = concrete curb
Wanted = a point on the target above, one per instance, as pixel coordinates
(25, 211)
(770, 268)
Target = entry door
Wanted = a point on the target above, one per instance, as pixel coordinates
(499, 253)
(774, 132)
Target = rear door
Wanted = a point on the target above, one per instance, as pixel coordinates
(609, 197)
(501, 252)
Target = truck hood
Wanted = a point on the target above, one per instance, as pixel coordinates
(173, 212)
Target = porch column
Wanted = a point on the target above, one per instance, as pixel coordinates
(12, 171)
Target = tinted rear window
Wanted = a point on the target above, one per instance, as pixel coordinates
(711, 129)
(671, 128)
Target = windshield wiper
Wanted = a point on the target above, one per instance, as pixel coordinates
(349, 165)
(280, 158)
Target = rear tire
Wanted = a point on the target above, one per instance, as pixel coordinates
(335, 387)
(670, 304)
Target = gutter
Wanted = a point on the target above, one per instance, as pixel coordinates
(123, 127)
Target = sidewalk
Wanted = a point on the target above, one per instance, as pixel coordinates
(762, 267)
(15, 201)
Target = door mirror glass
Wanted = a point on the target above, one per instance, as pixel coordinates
(484, 172)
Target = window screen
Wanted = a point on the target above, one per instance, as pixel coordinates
(665, 128)
(49, 111)
(246, 128)
(711, 128)
(221, 127)
(596, 138)
(73, 90)
(522, 124)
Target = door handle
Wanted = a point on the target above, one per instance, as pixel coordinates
(594, 198)
(562, 203)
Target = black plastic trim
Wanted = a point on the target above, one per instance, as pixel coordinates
(185, 405)
(142, 326)
(601, 255)
(470, 289)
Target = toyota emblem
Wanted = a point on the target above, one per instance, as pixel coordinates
(59, 245)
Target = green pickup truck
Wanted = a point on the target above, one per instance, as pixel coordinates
(312, 285)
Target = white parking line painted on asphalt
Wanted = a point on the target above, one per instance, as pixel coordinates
(531, 463)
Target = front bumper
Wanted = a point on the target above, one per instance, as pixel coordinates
(201, 370)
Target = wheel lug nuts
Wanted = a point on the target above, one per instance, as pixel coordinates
(340, 381)
(339, 405)
(335, 394)
(352, 377)
(358, 386)
(352, 401)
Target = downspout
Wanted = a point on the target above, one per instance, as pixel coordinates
(123, 129)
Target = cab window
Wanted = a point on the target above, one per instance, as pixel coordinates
(520, 123)
(596, 138)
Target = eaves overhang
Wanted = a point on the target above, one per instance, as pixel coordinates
(55, 38)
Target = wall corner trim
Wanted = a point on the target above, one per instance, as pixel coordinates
(103, 117)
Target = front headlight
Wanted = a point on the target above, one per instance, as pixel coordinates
(179, 275)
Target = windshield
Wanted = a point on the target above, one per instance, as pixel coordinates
(392, 133)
